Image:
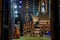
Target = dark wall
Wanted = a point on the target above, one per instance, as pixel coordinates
(5, 12)
(0, 16)
(56, 20)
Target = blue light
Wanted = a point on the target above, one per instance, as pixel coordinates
(15, 12)
(16, 15)
(15, 6)
(20, 1)
(19, 6)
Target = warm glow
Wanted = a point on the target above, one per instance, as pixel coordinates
(35, 18)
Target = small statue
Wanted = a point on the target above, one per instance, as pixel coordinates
(17, 32)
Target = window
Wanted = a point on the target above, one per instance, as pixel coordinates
(43, 6)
